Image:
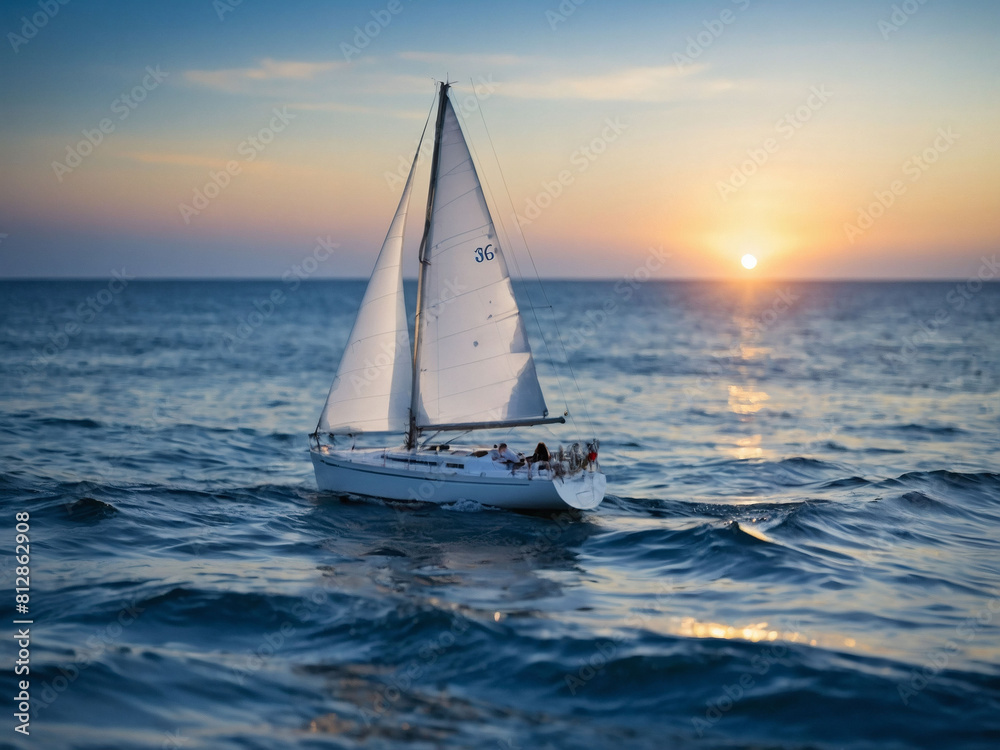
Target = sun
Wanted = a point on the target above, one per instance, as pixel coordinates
(748, 261)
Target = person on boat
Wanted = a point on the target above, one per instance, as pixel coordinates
(540, 456)
(508, 456)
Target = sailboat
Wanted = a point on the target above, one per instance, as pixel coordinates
(470, 367)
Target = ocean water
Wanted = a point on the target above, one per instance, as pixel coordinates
(800, 547)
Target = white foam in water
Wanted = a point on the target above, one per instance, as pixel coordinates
(466, 506)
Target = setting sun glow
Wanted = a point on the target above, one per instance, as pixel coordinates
(760, 145)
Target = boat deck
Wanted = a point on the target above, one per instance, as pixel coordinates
(463, 460)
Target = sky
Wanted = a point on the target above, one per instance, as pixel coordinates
(831, 140)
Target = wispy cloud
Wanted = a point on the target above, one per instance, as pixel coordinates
(646, 84)
(236, 80)
(637, 84)
(357, 109)
(351, 109)
(464, 61)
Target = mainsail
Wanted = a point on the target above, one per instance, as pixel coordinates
(371, 391)
(472, 365)
(473, 362)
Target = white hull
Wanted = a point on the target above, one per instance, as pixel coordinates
(450, 476)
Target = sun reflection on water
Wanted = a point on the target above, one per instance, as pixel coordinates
(756, 632)
(747, 447)
(746, 399)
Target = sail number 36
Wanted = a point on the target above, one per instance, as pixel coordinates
(484, 253)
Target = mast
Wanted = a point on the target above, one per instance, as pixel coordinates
(411, 435)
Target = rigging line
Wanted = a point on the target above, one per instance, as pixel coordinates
(513, 254)
(534, 268)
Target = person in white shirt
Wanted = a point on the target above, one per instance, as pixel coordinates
(507, 455)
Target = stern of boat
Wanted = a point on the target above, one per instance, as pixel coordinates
(583, 490)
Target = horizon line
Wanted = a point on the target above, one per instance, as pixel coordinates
(556, 279)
